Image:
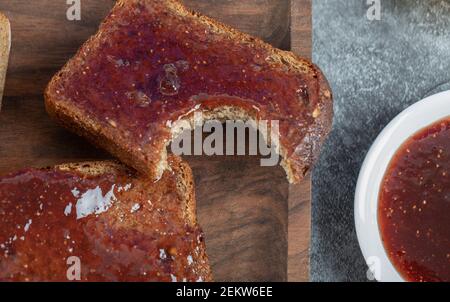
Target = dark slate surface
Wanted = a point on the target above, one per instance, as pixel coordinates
(376, 69)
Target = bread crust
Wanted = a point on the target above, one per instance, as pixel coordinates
(295, 91)
(161, 236)
(5, 45)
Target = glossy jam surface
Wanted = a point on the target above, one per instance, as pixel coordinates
(119, 230)
(150, 65)
(414, 206)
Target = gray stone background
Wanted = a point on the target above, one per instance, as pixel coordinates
(376, 69)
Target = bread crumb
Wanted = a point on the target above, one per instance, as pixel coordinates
(316, 113)
(135, 208)
(112, 123)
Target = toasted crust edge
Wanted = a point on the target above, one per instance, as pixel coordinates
(75, 121)
(4, 52)
(93, 168)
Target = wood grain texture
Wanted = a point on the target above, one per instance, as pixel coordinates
(301, 27)
(242, 207)
(299, 230)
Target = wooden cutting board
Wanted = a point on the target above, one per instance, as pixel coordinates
(257, 226)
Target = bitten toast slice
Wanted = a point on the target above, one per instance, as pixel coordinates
(155, 63)
(100, 216)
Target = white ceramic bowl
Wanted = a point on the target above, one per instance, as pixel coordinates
(407, 123)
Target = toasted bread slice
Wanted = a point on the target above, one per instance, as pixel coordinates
(154, 63)
(118, 226)
(5, 45)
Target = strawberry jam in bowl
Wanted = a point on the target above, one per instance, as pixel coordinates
(414, 206)
(402, 199)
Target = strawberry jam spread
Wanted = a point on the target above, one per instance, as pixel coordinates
(113, 227)
(150, 64)
(414, 206)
